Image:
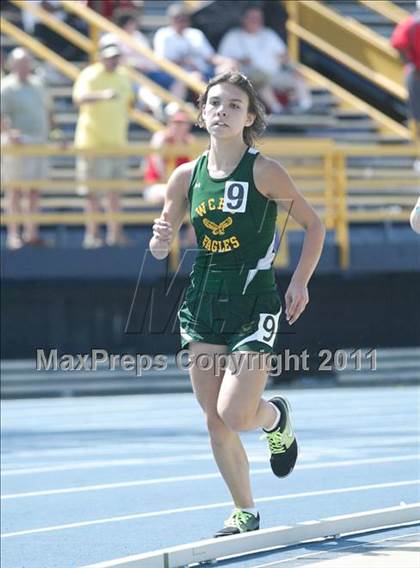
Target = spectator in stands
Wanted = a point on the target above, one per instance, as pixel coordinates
(177, 132)
(262, 56)
(406, 39)
(158, 169)
(26, 118)
(129, 22)
(187, 47)
(104, 94)
(108, 8)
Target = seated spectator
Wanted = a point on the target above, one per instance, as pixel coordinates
(25, 119)
(104, 94)
(129, 22)
(187, 47)
(262, 56)
(158, 169)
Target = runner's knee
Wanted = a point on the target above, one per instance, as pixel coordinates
(237, 419)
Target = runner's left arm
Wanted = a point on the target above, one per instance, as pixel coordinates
(274, 182)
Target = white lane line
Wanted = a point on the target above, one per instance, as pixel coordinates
(181, 478)
(109, 449)
(211, 506)
(338, 550)
(106, 463)
(176, 459)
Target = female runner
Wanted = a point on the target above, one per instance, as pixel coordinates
(232, 307)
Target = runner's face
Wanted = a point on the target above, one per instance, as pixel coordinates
(226, 111)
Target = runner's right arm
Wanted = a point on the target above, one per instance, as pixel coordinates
(174, 210)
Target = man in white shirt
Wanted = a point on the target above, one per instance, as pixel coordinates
(187, 47)
(262, 56)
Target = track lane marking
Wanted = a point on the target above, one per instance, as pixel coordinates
(198, 477)
(80, 524)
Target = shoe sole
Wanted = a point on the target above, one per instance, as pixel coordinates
(234, 534)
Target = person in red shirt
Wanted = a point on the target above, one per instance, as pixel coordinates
(107, 7)
(177, 132)
(406, 39)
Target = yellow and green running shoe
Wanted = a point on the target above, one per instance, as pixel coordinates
(282, 441)
(239, 522)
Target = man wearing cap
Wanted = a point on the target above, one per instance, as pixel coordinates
(104, 94)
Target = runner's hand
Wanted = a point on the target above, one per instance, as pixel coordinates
(297, 298)
(162, 230)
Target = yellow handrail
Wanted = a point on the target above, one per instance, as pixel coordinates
(66, 68)
(102, 23)
(58, 26)
(342, 57)
(349, 42)
(90, 47)
(342, 232)
(409, 150)
(388, 9)
(386, 123)
(358, 30)
(334, 190)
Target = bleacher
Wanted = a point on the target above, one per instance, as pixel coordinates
(355, 163)
(366, 13)
(379, 188)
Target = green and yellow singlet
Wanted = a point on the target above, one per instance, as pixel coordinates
(235, 228)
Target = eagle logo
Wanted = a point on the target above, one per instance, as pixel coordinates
(218, 228)
(247, 327)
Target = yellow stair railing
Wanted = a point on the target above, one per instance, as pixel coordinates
(66, 68)
(388, 9)
(96, 20)
(91, 48)
(386, 125)
(348, 42)
(38, 49)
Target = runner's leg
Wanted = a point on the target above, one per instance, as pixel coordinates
(227, 447)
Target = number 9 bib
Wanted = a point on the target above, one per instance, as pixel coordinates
(266, 331)
(235, 196)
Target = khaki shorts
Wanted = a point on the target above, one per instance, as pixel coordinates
(23, 167)
(283, 79)
(103, 168)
